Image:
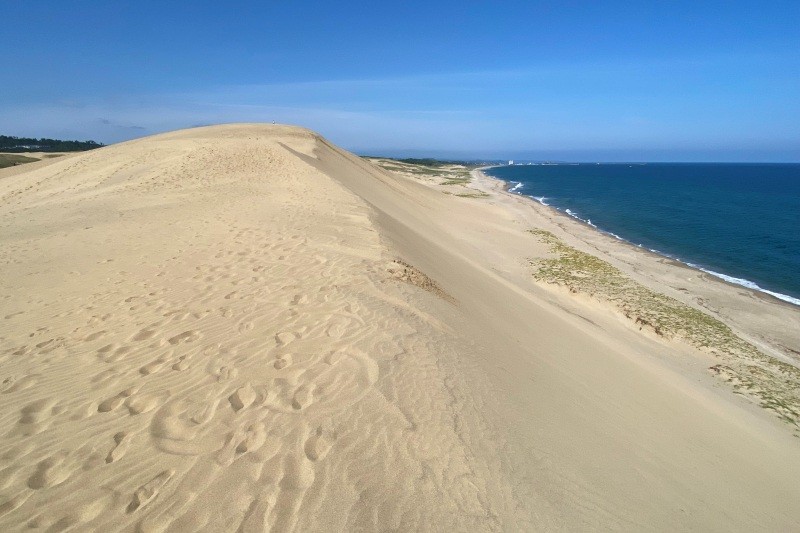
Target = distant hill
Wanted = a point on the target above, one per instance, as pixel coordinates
(29, 144)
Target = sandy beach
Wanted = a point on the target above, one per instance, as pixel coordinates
(247, 328)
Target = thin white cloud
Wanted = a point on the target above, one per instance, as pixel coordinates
(549, 107)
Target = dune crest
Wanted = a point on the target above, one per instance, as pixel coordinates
(245, 328)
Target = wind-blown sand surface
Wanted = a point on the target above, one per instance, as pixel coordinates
(245, 328)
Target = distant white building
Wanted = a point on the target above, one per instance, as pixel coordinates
(510, 161)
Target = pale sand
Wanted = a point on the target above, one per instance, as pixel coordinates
(244, 328)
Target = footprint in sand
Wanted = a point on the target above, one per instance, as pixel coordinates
(285, 337)
(282, 361)
(122, 441)
(22, 350)
(37, 411)
(96, 319)
(303, 396)
(143, 403)
(339, 326)
(52, 471)
(299, 299)
(36, 417)
(153, 366)
(93, 336)
(221, 371)
(180, 314)
(49, 345)
(115, 401)
(111, 353)
(254, 436)
(11, 384)
(318, 444)
(149, 491)
(247, 438)
(243, 397)
(182, 364)
(183, 426)
(108, 377)
(340, 380)
(144, 334)
(186, 336)
(110, 404)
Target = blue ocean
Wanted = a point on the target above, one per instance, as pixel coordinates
(740, 222)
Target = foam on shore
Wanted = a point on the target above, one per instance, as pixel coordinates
(517, 189)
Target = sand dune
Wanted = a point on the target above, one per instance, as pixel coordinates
(245, 328)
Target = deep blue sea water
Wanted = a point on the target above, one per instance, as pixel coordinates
(740, 222)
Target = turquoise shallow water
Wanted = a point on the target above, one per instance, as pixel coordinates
(740, 222)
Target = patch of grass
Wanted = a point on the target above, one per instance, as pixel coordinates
(478, 194)
(774, 384)
(457, 181)
(453, 173)
(10, 160)
(427, 171)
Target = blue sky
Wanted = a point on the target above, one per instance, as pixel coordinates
(589, 81)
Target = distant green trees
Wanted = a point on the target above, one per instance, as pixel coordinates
(29, 144)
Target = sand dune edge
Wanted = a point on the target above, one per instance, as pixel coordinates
(246, 328)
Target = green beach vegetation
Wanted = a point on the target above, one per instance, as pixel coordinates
(451, 172)
(774, 384)
(10, 160)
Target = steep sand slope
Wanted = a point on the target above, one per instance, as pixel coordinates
(244, 328)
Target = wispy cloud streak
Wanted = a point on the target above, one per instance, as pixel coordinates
(671, 104)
